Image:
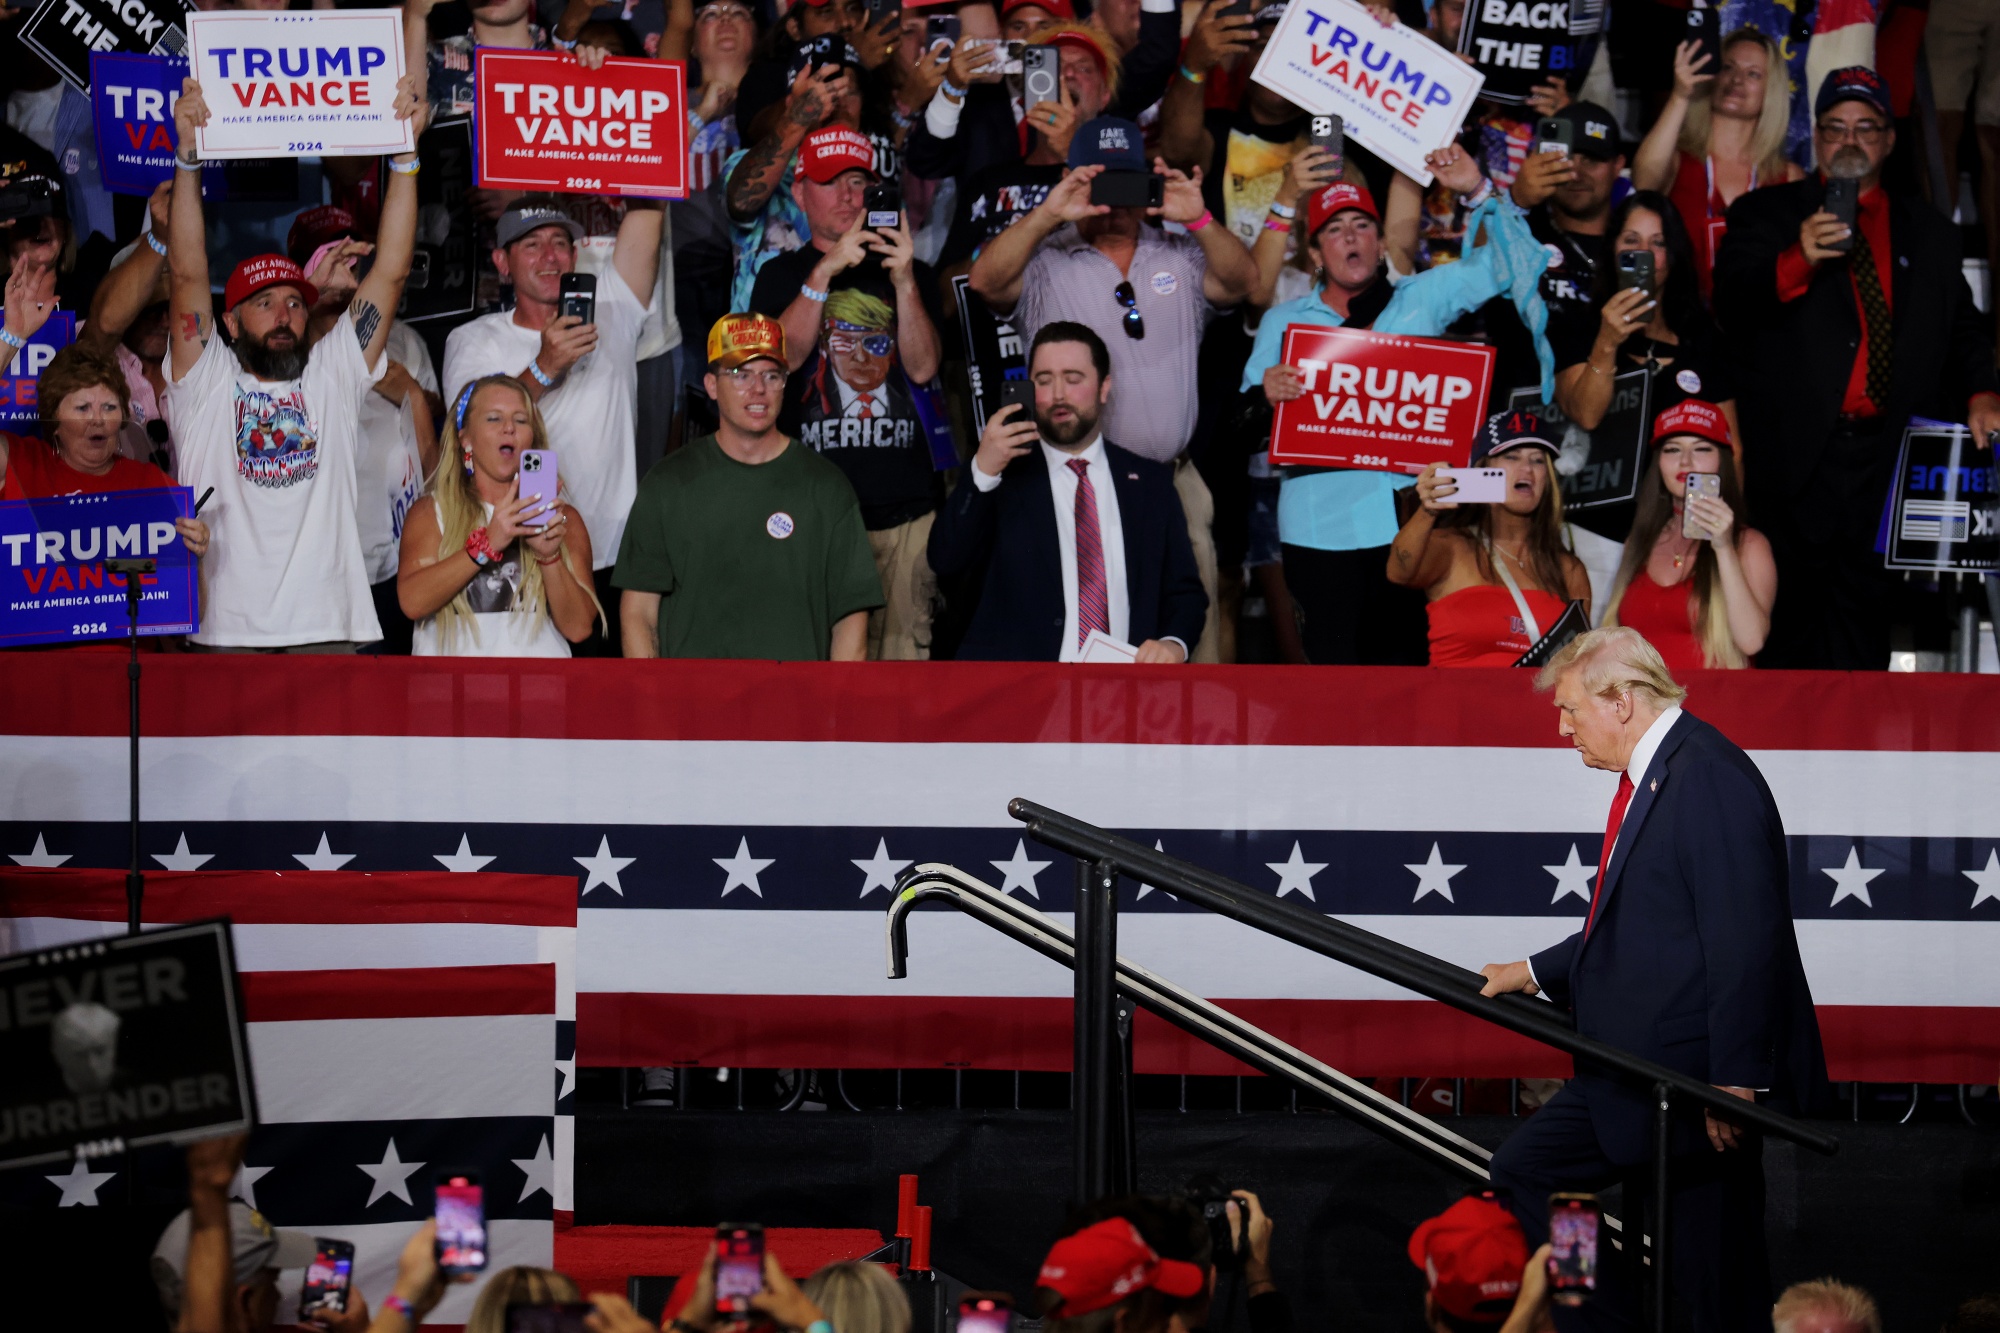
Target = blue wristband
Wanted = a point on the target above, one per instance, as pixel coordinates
(154, 241)
(951, 90)
(12, 339)
(542, 377)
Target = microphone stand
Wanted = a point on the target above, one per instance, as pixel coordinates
(135, 877)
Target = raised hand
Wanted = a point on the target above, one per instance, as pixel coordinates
(1009, 434)
(190, 114)
(1069, 199)
(31, 298)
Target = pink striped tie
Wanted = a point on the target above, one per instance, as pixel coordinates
(1093, 607)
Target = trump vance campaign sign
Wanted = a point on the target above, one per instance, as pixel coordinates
(544, 122)
(18, 409)
(54, 587)
(319, 83)
(1380, 401)
(1400, 94)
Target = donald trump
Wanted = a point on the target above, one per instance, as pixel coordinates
(1686, 958)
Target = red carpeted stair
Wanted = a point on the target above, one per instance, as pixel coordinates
(602, 1258)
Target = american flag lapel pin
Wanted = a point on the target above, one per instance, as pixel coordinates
(1654, 785)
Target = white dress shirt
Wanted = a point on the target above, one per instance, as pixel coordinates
(850, 400)
(1110, 536)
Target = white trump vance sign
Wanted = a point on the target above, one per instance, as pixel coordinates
(1400, 94)
(318, 83)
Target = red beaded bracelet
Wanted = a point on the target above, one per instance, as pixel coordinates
(480, 549)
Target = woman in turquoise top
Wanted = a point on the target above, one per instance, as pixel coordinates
(1335, 524)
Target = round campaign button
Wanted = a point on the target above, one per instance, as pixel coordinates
(1689, 381)
(779, 525)
(1165, 283)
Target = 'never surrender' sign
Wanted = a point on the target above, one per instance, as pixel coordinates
(544, 122)
(54, 587)
(1400, 94)
(318, 83)
(1381, 401)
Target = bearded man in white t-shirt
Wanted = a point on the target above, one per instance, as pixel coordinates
(273, 428)
(584, 376)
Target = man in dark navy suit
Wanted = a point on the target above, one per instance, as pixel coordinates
(1075, 534)
(1687, 958)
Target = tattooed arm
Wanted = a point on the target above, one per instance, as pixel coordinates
(376, 299)
(192, 309)
(813, 98)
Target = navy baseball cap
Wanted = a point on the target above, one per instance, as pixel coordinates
(1855, 83)
(1109, 142)
(1511, 430)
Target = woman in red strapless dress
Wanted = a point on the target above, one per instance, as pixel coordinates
(1702, 601)
(1471, 559)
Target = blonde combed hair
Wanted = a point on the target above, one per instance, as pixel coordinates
(859, 1298)
(1767, 145)
(1611, 661)
(460, 510)
(519, 1285)
(1855, 1307)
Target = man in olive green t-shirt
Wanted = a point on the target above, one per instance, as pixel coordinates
(743, 544)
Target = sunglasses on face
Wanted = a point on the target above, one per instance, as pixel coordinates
(1134, 323)
(875, 344)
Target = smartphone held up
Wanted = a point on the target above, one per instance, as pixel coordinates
(739, 1267)
(461, 1224)
(1573, 1220)
(328, 1278)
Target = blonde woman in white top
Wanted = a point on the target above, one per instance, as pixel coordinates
(479, 575)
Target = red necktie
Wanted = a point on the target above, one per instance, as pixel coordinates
(1093, 607)
(1618, 804)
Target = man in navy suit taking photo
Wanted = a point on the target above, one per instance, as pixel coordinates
(1687, 958)
(1075, 534)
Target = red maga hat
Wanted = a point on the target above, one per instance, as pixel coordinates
(1103, 1264)
(1338, 197)
(256, 273)
(1692, 416)
(1472, 1255)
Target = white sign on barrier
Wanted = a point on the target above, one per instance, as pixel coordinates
(314, 83)
(1400, 94)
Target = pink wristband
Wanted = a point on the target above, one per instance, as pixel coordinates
(1277, 224)
(402, 1307)
(1202, 221)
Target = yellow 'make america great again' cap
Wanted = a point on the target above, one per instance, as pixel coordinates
(736, 339)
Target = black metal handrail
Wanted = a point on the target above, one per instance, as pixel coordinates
(1407, 967)
(1187, 1011)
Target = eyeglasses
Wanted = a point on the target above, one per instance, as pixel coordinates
(743, 377)
(1866, 131)
(875, 344)
(1134, 323)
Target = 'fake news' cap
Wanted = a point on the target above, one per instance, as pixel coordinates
(1108, 142)
(1692, 416)
(1104, 1263)
(1338, 197)
(256, 273)
(1472, 1255)
(737, 339)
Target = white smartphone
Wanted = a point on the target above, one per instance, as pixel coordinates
(1699, 483)
(1476, 485)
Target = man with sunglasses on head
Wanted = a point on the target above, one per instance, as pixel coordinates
(744, 544)
(1147, 292)
(1843, 332)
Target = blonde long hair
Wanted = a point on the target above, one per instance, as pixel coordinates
(520, 1284)
(860, 1298)
(1708, 614)
(1767, 145)
(460, 510)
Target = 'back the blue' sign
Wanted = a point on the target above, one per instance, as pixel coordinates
(54, 587)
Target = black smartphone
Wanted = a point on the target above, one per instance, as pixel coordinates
(554, 1317)
(884, 205)
(941, 30)
(328, 1277)
(1041, 75)
(420, 266)
(1330, 133)
(1553, 134)
(1019, 393)
(985, 1312)
(1704, 29)
(1842, 196)
(880, 10)
(1635, 269)
(1240, 10)
(1572, 1246)
(739, 1266)
(460, 1207)
(579, 296)
(1129, 189)
(829, 48)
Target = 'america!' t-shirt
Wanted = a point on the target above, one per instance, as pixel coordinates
(284, 564)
